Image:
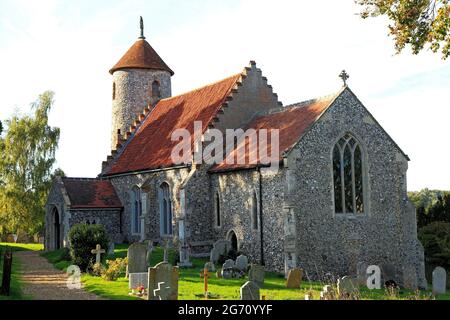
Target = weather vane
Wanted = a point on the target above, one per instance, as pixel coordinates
(344, 76)
(142, 29)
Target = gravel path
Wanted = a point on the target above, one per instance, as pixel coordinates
(42, 281)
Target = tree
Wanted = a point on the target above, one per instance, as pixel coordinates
(28, 156)
(414, 22)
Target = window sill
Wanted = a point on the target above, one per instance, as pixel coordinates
(350, 216)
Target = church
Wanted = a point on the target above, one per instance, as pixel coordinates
(337, 199)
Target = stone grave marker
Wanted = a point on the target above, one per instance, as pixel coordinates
(111, 248)
(229, 264)
(138, 279)
(220, 247)
(361, 273)
(256, 274)
(294, 279)
(242, 262)
(347, 286)
(250, 291)
(163, 282)
(439, 281)
(137, 258)
(210, 266)
(98, 253)
(388, 274)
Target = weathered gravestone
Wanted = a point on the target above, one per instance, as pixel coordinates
(361, 273)
(138, 279)
(163, 282)
(294, 279)
(111, 248)
(410, 277)
(250, 291)
(137, 258)
(229, 264)
(242, 262)
(388, 275)
(220, 247)
(347, 287)
(439, 280)
(98, 253)
(209, 266)
(256, 274)
(6, 278)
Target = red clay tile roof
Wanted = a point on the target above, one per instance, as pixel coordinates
(151, 146)
(292, 123)
(141, 55)
(91, 193)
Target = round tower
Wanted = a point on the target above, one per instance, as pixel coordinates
(140, 78)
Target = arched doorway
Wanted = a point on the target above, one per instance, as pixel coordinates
(56, 230)
(233, 239)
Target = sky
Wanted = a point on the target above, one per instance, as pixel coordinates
(301, 46)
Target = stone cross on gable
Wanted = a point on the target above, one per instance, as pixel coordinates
(344, 76)
(98, 251)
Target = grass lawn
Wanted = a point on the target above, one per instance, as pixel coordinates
(16, 293)
(191, 285)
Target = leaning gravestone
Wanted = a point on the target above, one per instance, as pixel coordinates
(137, 258)
(294, 279)
(250, 291)
(256, 274)
(220, 247)
(242, 262)
(439, 281)
(163, 282)
(138, 279)
(347, 286)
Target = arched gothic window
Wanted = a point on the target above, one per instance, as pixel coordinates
(217, 209)
(348, 176)
(136, 209)
(156, 91)
(165, 208)
(254, 208)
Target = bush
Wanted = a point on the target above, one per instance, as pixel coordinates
(115, 269)
(435, 239)
(83, 238)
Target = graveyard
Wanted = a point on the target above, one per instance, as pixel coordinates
(191, 281)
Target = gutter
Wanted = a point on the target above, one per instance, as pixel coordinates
(144, 171)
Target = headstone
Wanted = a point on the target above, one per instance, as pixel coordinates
(163, 282)
(220, 247)
(184, 256)
(361, 273)
(137, 258)
(347, 286)
(294, 279)
(410, 277)
(138, 279)
(111, 248)
(149, 250)
(229, 264)
(256, 274)
(210, 266)
(6, 277)
(250, 291)
(98, 253)
(242, 262)
(226, 273)
(439, 281)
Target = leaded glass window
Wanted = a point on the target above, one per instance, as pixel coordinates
(348, 176)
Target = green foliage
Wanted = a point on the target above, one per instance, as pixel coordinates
(115, 269)
(28, 155)
(435, 239)
(414, 22)
(83, 238)
(432, 205)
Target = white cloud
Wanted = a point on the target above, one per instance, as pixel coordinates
(301, 47)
